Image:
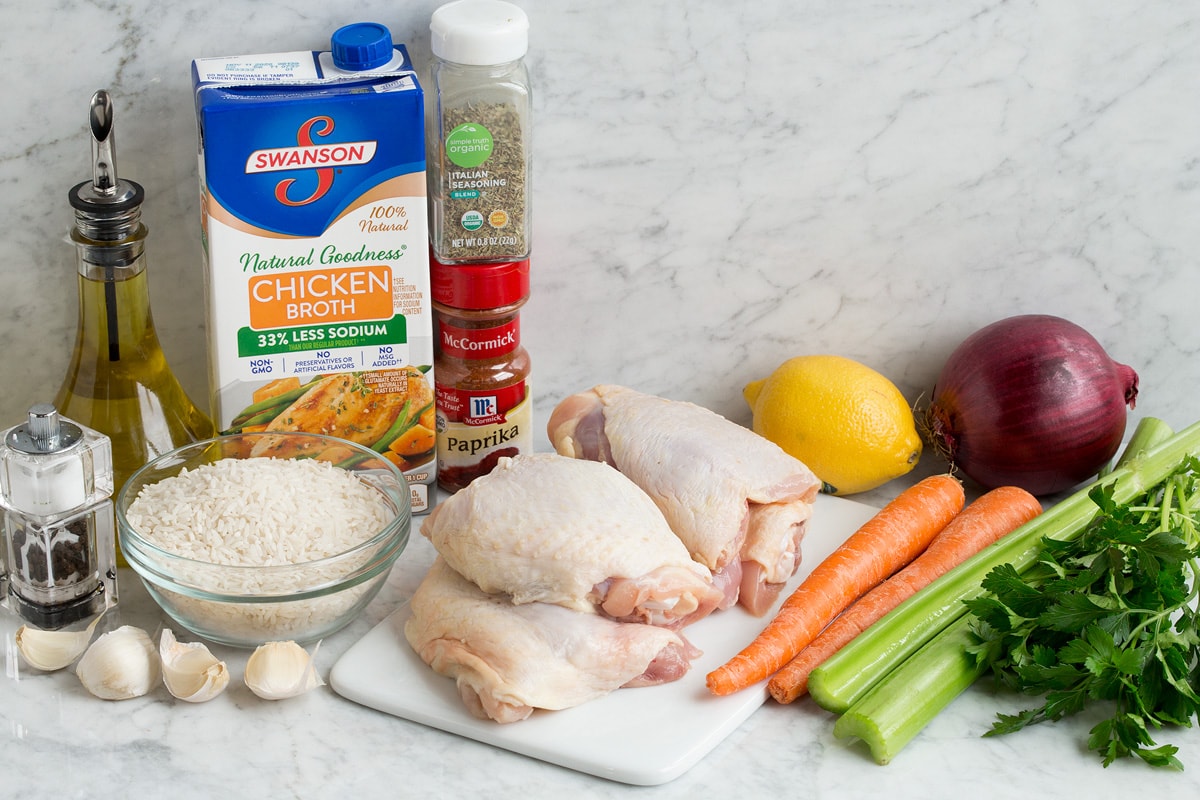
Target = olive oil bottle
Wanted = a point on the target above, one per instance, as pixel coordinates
(119, 382)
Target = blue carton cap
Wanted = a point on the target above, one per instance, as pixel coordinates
(362, 45)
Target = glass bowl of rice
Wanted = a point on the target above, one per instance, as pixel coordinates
(256, 537)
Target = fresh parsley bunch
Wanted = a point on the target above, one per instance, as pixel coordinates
(1107, 617)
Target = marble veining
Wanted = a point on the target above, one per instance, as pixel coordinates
(718, 186)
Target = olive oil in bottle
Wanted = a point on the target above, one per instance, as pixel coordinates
(119, 382)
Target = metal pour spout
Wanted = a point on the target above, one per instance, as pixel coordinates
(104, 146)
(107, 207)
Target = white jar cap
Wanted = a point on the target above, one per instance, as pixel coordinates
(479, 32)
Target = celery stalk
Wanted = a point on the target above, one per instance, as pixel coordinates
(846, 676)
(1149, 432)
(895, 710)
(897, 707)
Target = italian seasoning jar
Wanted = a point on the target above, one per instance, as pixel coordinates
(479, 133)
(481, 370)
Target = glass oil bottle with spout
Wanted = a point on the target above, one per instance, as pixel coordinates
(119, 382)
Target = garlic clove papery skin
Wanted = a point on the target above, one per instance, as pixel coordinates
(52, 650)
(189, 670)
(279, 670)
(120, 665)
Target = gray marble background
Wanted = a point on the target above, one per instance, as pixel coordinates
(718, 186)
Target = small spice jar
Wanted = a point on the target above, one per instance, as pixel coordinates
(481, 370)
(478, 137)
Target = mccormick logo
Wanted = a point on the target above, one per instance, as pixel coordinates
(323, 158)
(483, 407)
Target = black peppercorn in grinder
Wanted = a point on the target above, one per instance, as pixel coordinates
(59, 553)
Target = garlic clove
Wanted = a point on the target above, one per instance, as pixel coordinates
(279, 670)
(120, 664)
(190, 671)
(52, 650)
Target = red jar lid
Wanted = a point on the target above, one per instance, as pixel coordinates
(478, 286)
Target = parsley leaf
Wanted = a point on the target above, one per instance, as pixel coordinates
(1106, 618)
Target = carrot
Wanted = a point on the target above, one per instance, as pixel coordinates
(885, 543)
(987, 519)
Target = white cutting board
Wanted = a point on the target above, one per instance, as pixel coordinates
(644, 736)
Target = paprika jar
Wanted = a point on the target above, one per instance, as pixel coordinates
(481, 371)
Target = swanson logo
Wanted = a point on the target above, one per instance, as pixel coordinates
(324, 158)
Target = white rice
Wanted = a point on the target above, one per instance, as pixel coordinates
(261, 512)
(258, 512)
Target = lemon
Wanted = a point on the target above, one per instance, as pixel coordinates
(849, 424)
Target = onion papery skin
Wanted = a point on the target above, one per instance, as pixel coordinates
(1032, 401)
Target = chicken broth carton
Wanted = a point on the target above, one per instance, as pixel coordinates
(313, 204)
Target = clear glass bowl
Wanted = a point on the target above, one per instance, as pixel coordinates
(245, 606)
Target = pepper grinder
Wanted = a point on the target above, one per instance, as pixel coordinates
(59, 554)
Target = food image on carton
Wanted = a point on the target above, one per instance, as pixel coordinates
(313, 205)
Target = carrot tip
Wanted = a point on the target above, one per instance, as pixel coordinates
(719, 688)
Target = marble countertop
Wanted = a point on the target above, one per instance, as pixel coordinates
(718, 186)
(322, 745)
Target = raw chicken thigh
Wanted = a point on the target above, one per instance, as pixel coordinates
(579, 534)
(509, 659)
(739, 502)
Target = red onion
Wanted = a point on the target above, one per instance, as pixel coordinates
(1031, 401)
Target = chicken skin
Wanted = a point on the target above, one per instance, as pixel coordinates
(547, 529)
(508, 660)
(738, 502)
